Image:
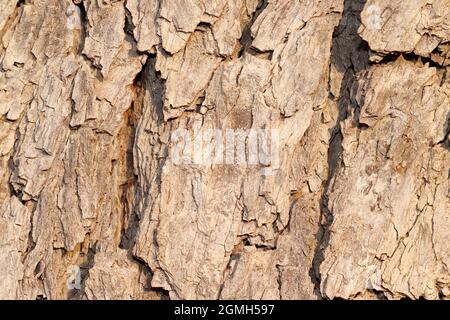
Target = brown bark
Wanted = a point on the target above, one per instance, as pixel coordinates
(351, 200)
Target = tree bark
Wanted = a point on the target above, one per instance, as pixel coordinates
(351, 199)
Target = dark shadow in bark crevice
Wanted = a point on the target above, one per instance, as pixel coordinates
(350, 57)
(149, 85)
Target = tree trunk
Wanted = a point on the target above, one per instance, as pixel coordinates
(224, 149)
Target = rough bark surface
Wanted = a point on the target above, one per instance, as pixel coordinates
(93, 207)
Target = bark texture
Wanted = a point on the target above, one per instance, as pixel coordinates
(93, 207)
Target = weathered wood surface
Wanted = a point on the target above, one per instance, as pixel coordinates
(92, 206)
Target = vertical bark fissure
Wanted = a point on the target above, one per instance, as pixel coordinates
(343, 60)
